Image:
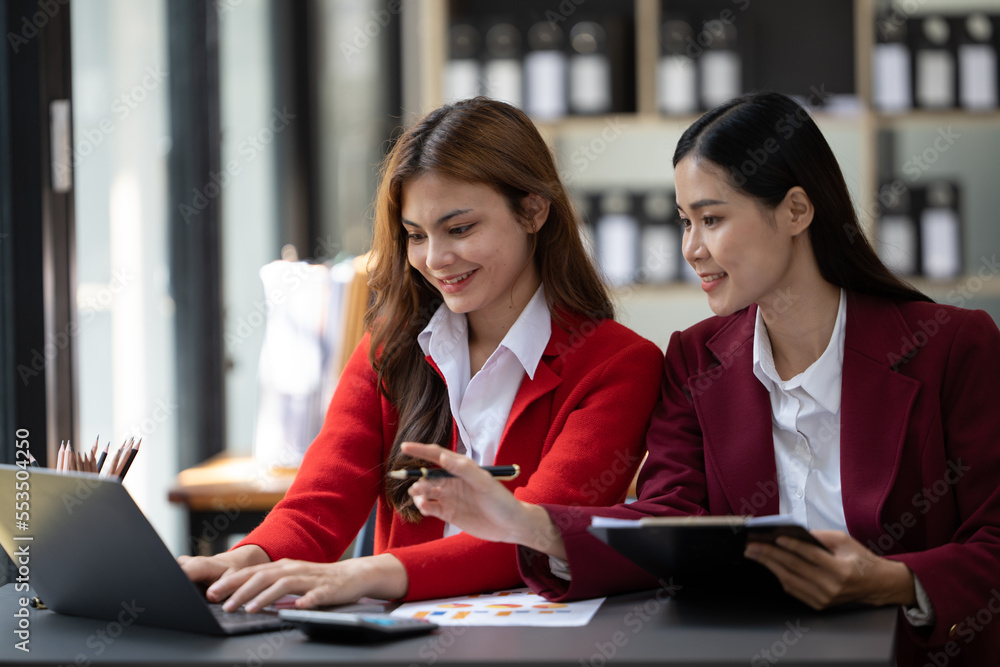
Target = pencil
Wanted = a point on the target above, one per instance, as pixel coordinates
(61, 455)
(128, 461)
(500, 472)
(123, 454)
(33, 460)
(104, 455)
(112, 463)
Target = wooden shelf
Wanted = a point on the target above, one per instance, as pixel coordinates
(921, 118)
(853, 133)
(937, 289)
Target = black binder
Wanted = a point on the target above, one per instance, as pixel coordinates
(703, 553)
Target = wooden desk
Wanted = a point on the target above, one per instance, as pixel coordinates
(226, 496)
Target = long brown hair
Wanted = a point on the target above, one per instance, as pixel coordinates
(479, 141)
(761, 126)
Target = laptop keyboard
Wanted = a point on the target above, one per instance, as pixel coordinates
(242, 621)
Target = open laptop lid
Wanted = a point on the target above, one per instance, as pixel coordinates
(93, 553)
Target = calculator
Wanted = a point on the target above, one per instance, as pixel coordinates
(354, 628)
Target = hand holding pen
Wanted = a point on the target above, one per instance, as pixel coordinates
(470, 497)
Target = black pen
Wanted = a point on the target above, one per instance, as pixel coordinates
(505, 473)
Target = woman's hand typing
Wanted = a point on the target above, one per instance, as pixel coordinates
(207, 569)
(319, 584)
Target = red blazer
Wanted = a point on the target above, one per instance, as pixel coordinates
(577, 431)
(920, 461)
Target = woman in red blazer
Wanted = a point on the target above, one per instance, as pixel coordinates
(491, 332)
(824, 388)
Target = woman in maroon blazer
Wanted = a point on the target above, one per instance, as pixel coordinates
(490, 331)
(825, 388)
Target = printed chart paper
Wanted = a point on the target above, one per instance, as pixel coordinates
(515, 607)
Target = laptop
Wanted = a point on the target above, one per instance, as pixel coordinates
(91, 552)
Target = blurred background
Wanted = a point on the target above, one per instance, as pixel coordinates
(158, 157)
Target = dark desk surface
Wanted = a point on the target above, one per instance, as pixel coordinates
(630, 629)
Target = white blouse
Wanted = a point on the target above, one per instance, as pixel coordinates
(805, 422)
(481, 404)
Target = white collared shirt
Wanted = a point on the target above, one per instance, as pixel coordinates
(481, 404)
(805, 422)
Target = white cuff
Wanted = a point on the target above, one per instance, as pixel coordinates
(923, 613)
(560, 568)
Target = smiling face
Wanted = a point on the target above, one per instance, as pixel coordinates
(742, 256)
(465, 240)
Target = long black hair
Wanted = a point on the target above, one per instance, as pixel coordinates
(766, 143)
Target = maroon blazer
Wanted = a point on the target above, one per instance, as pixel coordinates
(920, 461)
